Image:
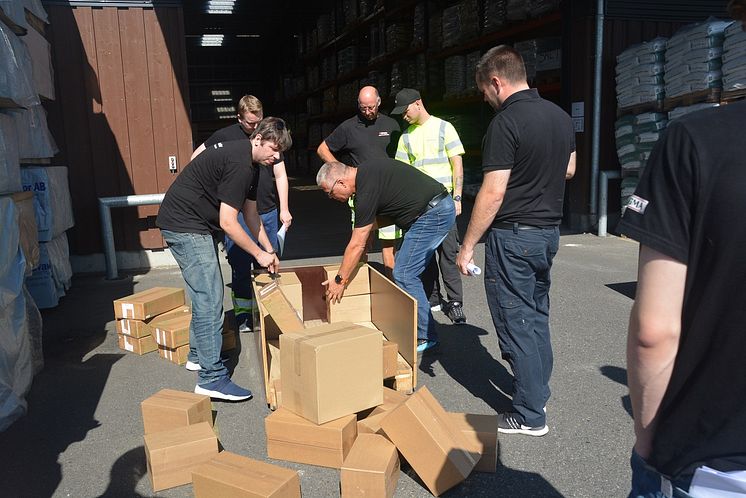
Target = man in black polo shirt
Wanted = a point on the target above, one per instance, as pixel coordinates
(367, 135)
(391, 192)
(250, 112)
(201, 204)
(686, 347)
(528, 152)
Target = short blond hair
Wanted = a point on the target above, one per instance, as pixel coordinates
(249, 103)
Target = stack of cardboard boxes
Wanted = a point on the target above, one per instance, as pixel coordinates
(181, 448)
(332, 408)
(158, 319)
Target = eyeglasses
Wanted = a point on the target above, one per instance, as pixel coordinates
(331, 190)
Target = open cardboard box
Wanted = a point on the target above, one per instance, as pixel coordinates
(392, 311)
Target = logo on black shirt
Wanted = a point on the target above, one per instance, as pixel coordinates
(384, 134)
(637, 204)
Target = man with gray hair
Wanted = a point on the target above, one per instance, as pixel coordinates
(391, 192)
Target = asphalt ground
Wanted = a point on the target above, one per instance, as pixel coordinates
(82, 436)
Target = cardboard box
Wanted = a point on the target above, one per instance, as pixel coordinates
(371, 468)
(481, 432)
(371, 424)
(141, 345)
(331, 371)
(279, 308)
(148, 303)
(291, 286)
(293, 438)
(357, 283)
(390, 359)
(173, 332)
(430, 441)
(391, 399)
(273, 347)
(236, 476)
(350, 309)
(141, 328)
(370, 325)
(178, 355)
(168, 409)
(173, 454)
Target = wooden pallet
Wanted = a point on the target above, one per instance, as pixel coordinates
(711, 95)
(654, 106)
(733, 95)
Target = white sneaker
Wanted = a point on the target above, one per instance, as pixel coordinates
(192, 367)
(243, 328)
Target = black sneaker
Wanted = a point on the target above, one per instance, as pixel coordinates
(455, 312)
(507, 423)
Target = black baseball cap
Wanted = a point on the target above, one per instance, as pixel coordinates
(404, 97)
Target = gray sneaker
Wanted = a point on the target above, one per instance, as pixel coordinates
(508, 423)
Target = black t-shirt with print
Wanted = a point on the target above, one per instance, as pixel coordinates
(357, 140)
(222, 173)
(392, 192)
(689, 205)
(266, 197)
(533, 138)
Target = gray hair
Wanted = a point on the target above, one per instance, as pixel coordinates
(330, 172)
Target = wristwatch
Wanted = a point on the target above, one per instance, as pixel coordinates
(457, 198)
(339, 280)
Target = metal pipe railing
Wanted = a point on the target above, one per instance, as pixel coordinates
(603, 200)
(107, 230)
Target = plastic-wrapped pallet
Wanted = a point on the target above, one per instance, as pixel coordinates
(36, 8)
(314, 134)
(677, 112)
(421, 70)
(517, 10)
(470, 82)
(40, 52)
(34, 139)
(324, 27)
(29, 234)
(694, 58)
(16, 362)
(636, 136)
(398, 37)
(312, 76)
(52, 201)
(734, 58)
(397, 77)
(41, 283)
(347, 59)
(16, 80)
(347, 94)
(639, 73)
(528, 50)
(59, 257)
(313, 105)
(10, 168)
(13, 10)
(451, 26)
(629, 185)
(469, 19)
(350, 8)
(494, 16)
(435, 31)
(419, 25)
(538, 8)
(455, 75)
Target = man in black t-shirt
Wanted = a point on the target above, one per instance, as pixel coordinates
(686, 347)
(250, 112)
(367, 135)
(201, 204)
(528, 152)
(391, 192)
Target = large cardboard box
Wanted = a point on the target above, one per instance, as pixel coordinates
(371, 468)
(357, 283)
(331, 371)
(173, 332)
(279, 308)
(481, 432)
(173, 454)
(350, 309)
(140, 345)
(293, 438)
(430, 441)
(141, 328)
(236, 476)
(148, 303)
(168, 409)
(291, 287)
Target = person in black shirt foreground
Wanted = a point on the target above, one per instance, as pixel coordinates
(390, 192)
(250, 113)
(200, 205)
(527, 154)
(686, 346)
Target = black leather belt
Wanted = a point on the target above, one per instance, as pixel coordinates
(435, 200)
(509, 225)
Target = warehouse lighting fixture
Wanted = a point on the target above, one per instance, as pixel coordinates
(227, 116)
(221, 96)
(212, 40)
(248, 36)
(220, 6)
(222, 110)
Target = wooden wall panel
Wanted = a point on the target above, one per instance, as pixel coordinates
(120, 112)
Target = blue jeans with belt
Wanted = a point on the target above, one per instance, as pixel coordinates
(242, 263)
(649, 483)
(516, 282)
(197, 256)
(417, 249)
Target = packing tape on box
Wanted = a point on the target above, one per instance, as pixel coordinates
(128, 307)
(125, 326)
(160, 340)
(128, 345)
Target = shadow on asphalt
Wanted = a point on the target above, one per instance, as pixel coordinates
(126, 474)
(628, 289)
(618, 375)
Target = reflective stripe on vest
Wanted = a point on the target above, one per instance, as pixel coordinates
(438, 168)
(242, 305)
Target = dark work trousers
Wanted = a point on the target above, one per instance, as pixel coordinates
(516, 282)
(446, 260)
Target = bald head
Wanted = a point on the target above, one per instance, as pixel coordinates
(368, 101)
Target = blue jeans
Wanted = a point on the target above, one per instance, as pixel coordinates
(197, 256)
(241, 265)
(648, 482)
(417, 249)
(516, 282)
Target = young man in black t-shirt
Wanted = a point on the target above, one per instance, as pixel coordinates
(200, 205)
(686, 347)
(250, 112)
(391, 192)
(527, 154)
